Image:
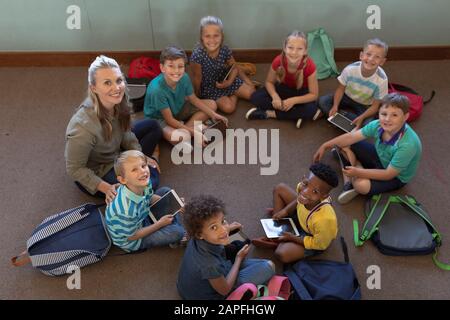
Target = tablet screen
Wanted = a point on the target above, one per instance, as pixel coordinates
(342, 122)
(170, 203)
(275, 228)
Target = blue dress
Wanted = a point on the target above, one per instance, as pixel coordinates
(214, 69)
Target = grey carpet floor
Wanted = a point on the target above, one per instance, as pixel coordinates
(36, 105)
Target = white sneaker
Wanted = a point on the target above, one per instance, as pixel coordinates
(299, 123)
(347, 196)
(317, 115)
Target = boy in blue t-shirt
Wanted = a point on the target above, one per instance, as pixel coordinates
(127, 216)
(171, 100)
(387, 165)
(361, 86)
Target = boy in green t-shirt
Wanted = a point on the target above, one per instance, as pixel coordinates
(388, 164)
(171, 100)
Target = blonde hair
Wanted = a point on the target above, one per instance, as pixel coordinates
(124, 157)
(122, 110)
(378, 43)
(281, 71)
(211, 20)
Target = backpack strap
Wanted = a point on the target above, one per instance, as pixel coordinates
(315, 209)
(372, 221)
(344, 250)
(279, 286)
(21, 260)
(246, 291)
(430, 98)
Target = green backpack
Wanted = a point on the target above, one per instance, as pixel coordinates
(321, 50)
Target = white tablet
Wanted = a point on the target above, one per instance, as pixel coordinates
(275, 228)
(342, 122)
(170, 203)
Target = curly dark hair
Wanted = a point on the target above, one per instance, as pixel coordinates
(326, 173)
(198, 210)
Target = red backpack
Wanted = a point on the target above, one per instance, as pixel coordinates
(144, 67)
(415, 100)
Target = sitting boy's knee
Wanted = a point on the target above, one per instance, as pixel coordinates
(362, 186)
(280, 187)
(282, 256)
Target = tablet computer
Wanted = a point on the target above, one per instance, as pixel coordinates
(219, 125)
(170, 203)
(228, 73)
(342, 122)
(275, 228)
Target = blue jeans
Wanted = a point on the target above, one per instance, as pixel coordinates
(262, 100)
(256, 271)
(347, 107)
(172, 233)
(366, 153)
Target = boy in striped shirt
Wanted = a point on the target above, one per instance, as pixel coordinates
(127, 216)
(361, 86)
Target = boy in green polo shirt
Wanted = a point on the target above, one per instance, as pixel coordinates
(388, 164)
(171, 100)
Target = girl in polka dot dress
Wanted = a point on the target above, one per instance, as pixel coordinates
(210, 62)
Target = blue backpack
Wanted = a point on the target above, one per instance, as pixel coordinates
(324, 280)
(75, 237)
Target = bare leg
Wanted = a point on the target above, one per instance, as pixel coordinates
(245, 91)
(227, 104)
(282, 196)
(288, 252)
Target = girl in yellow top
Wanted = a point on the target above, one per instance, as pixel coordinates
(315, 217)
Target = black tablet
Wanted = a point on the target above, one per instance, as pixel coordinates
(170, 203)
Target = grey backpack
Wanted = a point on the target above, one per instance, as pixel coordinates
(399, 226)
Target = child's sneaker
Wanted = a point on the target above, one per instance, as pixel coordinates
(348, 193)
(299, 123)
(317, 115)
(256, 114)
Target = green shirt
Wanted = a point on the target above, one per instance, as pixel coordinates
(160, 96)
(403, 155)
(88, 156)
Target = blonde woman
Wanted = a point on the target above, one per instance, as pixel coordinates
(101, 129)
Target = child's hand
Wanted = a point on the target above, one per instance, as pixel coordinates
(350, 171)
(152, 163)
(287, 237)
(277, 104)
(233, 226)
(165, 220)
(243, 252)
(280, 214)
(319, 154)
(223, 85)
(219, 117)
(287, 105)
(358, 122)
(333, 111)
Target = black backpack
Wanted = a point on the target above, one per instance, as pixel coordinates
(399, 226)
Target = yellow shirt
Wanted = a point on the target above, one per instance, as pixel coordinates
(322, 225)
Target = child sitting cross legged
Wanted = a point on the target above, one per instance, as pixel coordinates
(206, 272)
(388, 164)
(311, 210)
(127, 216)
(171, 100)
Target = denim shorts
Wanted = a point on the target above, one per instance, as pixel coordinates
(185, 114)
